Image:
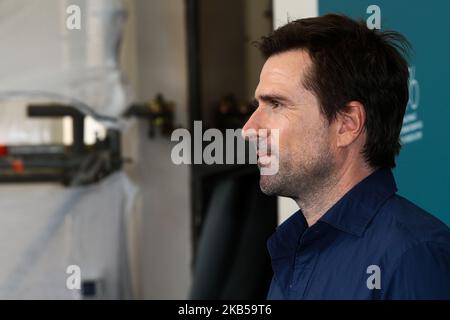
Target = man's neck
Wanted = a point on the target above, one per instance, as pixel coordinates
(319, 202)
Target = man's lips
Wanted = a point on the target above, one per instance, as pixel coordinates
(264, 159)
(262, 154)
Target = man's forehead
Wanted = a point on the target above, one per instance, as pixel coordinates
(284, 71)
(290, 64)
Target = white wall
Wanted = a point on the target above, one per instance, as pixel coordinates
(155, 61)
(161, 50)
(284, 11)
(288, 10)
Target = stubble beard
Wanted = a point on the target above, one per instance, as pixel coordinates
(299, 178)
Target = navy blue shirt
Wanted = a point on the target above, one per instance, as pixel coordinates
(372, 244)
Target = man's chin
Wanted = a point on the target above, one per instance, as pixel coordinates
(268, 185)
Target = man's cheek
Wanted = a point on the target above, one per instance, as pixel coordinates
(287, 144)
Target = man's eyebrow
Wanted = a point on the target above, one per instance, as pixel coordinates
(271, 97)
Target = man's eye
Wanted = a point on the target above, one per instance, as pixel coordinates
(275, 104)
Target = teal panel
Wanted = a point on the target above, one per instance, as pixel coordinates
(422, 172)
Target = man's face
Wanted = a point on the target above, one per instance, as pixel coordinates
(305, 152)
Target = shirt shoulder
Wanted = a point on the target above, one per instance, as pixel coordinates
(416, 251)
(421, 272)
(408, 224)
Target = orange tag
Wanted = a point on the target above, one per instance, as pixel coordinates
(17, 166)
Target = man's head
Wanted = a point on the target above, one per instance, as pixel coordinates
(337, 93)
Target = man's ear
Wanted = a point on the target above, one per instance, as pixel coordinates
(350, 123)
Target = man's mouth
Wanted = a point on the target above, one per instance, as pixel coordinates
(264, 159)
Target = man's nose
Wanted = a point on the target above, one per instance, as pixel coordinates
(252, 125)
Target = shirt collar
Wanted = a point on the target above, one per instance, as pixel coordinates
(354, 211)
(351, 214)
